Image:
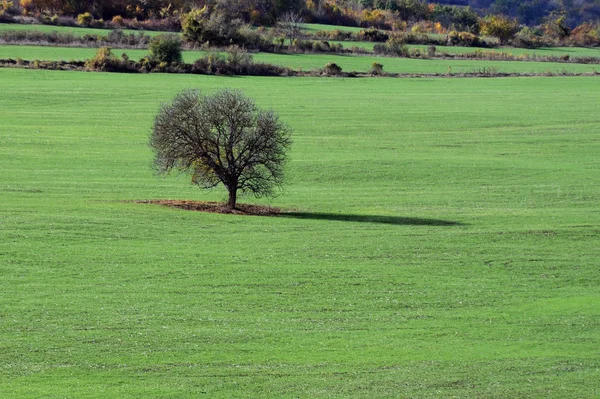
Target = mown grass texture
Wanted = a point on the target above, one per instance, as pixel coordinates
(444, 243)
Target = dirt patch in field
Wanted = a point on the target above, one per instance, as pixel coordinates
(216, 207)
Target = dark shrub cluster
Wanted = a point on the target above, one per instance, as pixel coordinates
(372, 35)
(235, 61)
(376, 69)
(166, 48)
(86, 19)
(201, 28)
(394, 47)
(106, 61)
(464, 39)
(318, 46)
(37, 64)
(331, 68)
(335, 34)
(116, 38)
(366, 35)
(416, 38)
(532, 38)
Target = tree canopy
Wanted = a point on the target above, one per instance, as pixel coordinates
(221, 138)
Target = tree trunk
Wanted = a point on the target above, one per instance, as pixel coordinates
(232, 198)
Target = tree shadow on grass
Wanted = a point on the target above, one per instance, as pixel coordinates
(395, 220)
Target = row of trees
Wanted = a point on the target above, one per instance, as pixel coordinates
(390, 14)
(529, 12)
(258, 11)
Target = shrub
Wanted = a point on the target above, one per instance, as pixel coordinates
(192, 25)
(66, 21)
(500, 26)
(102, 60)
(201, 27)
(118, 20)
(11, 36)
(335, 34)
(166, 48)
(416, 53)
(170, 24)
(528, 38)
(115, 38)
(332, 68)
(237, 62)
(8, 9)
(586, 34)
(465, 39)
(373, 35)
(320, 46)
(394, 46)
(376, 69)
(27, 6)
(431, 50)
(238, 59)
(85, 19)
(252, 39)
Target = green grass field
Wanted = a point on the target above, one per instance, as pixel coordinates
(543, 51)
(445, 244)
(312, 28)
(314, 61)
(73, 30)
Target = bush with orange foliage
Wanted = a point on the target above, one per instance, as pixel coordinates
(586, 34)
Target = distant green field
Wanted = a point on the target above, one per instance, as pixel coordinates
(312, 28)
(544, 51)
(445, 244)
(314, 61)
(72, 30)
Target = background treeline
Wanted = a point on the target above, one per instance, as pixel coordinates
(224, 22)
(382, 13)
(529, 12)
(530, 23)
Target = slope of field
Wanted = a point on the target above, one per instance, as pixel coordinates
(444, 244)
(314, 61)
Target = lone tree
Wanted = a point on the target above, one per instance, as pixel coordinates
(221, 138)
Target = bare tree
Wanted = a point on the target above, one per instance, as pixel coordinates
(221, 138)
(291, 25)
